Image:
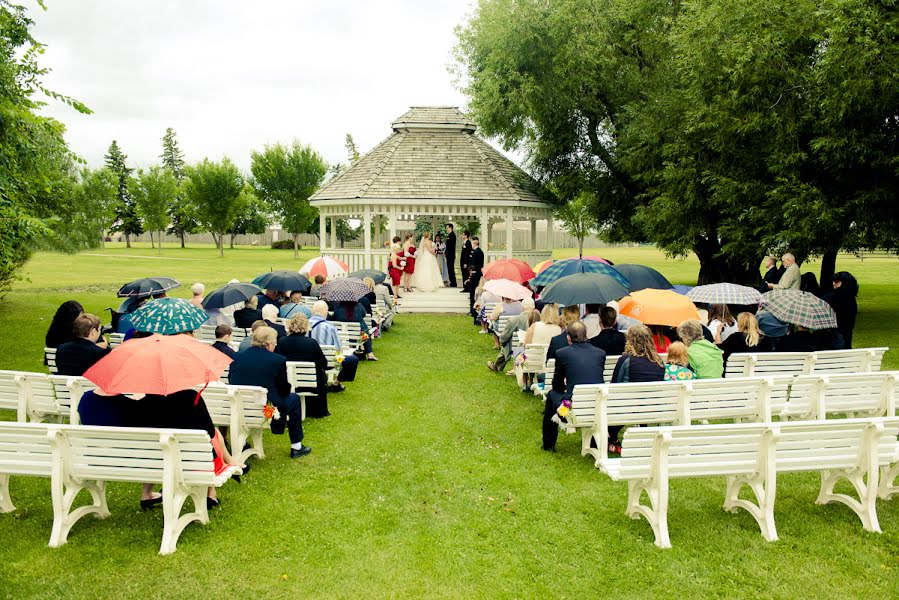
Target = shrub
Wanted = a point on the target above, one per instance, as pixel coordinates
(284, 245)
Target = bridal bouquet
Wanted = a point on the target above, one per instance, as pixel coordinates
(564, 418)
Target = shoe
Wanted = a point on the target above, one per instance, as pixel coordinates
(301, 452)
(246, 469)
(212, 503)
(553, 449)
(492, 366)
(148, 504)
(482, 332)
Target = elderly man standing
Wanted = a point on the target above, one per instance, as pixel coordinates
(791, 278)
(259, 365)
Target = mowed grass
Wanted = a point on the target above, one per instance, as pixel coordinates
(428, 481)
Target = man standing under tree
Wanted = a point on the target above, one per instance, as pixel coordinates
(451, 254)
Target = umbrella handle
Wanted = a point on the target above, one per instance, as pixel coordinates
(200, 393)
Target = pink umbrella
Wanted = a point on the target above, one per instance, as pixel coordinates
(508, 289)
(597, 259)
(326, 266)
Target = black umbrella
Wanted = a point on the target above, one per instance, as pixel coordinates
(283, 281)
(233, 293)
(148, 286)
(583, 288)
(378, 276)
(642, 278)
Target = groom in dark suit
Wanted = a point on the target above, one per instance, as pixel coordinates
(451, 254)
(475, 267)
(465, 258)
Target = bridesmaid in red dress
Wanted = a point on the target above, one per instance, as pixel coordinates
(409, 253)
(396, 265)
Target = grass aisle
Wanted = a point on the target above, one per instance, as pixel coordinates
(428, 480)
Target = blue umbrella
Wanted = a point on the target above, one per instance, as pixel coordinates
(148, 286)
(570, 266)
(376, 275)
(232, 293)
(642, 277)
(283, 281)
(681, 289)
(583, 288)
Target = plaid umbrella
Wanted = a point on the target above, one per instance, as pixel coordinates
(376, 275)
(345, 289)
(230, 294)
(168, 316)
(148, 286)
(724, 293)
(282, 281)
(570, 266)
(799, 308)
(642, 278)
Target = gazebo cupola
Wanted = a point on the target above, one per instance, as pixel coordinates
(432, 165)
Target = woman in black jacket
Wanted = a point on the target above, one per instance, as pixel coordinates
(639, 363)
(296, 346)
(842, 300)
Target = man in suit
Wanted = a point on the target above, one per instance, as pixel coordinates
(578, 364)
(475, 266)
(451, 254)
(259, 365)
(465, 258)
(270, 316)
(223, 340)
(610, 340)
(80, 354)
(249, 314)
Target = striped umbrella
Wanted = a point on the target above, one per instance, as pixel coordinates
(724, 293)
(799, 308)
(326, 266)
(570, 266)
(168, 316)
(344, 289)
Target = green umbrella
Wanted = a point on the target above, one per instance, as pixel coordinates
(168, 316)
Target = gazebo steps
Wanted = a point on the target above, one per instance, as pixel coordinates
(444, 300)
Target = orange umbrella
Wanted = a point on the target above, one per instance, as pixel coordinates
(538, 268)
(509, 268)
(658, 307)
(159, 364)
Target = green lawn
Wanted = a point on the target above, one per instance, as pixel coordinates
(428, 481)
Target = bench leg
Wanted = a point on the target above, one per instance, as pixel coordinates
(239, 440)
(586, 437)
(64, 517)
(657, 513)
(172, 502)
(865, 506)
(6, 504)
(888, 487)
(763, 510)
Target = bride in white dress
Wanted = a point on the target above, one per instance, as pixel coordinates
(427, 277)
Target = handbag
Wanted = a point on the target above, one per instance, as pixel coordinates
(624, 373)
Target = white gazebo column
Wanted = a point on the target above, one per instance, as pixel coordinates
(333, 233)
(391, 226)
(322, 233)
(510, 231)
(366, 236)
(485, 226)
(533, 233)
(550, 235)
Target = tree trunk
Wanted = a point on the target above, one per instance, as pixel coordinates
(233, 235)
(182, 239)
(714, 268)
(580, 247)
(828, 268)
(222, 244)
(151, 240)
(296, 249)
(127, 240)
(159, 246)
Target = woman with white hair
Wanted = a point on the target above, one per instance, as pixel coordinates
(325, 333)
(198, 290)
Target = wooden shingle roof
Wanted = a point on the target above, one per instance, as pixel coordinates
(433, 154)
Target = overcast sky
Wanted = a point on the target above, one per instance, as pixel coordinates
(230, 76)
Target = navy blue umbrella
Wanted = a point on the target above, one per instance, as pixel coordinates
(570, 266)
(232, 293)
(148, 286)
(641, 278)
(283, 281)
(583, 288)
(377, 276)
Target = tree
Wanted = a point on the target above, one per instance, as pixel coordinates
(284, 177)
(181, 218)
(91, 211)
(214, 190)
(127, 221)
(578, 218)
(154, 192)
(250, 218)
(34, 159)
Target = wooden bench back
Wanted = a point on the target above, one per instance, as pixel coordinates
(858, 360)
(302, 377)
(50, 358)
(349, 333)
(116, 339)
(69, 390)
(25, 449)
(832, 444)
(206, 333)
(535, 358)
(9, 390)
(854, 394)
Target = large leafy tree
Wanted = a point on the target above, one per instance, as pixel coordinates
(251, 217)
(214, 189)
(181, 218)
(35, 164)
(154, 192)
(91, 208)
(284, 177)
(127, 220)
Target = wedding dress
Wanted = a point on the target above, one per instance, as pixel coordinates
(426, 277)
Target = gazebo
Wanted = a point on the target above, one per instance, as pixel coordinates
(432, 165)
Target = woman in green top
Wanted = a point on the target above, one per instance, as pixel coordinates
(706, 359)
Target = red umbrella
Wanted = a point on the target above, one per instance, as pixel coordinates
(159, 364)
(509, 268)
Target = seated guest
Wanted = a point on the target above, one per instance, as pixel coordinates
(267, 297)
(223, 340)
(248, 340)
(622, 322)
(706, 359)
(259, 365)
(198, 290)
(677, 363)
(314, 291)
(383, 295)
(352, 312)
(249, 314)
(576, 364)
(570, 315)
(802, 339)
(772, 328)
(591, 320)
(638, 363)
(842, 299)
(610, 340)
(125, 325)
(270, 316)
(325, 334)
(659, 340)
(298, 347)
(507, 338)
(544, 330)
(721, 323)
(60, 330)
(80, 354)
(294, 307)
(747, 337)
(369, 300)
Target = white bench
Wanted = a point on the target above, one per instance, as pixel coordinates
(753, 455)
(206, 333)
(240, 409)
(31, 395)
(804, 363)
(350, 334)
(303, 379)
(116, 339)
(69, 389)
(80, 458)
(851, 394)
